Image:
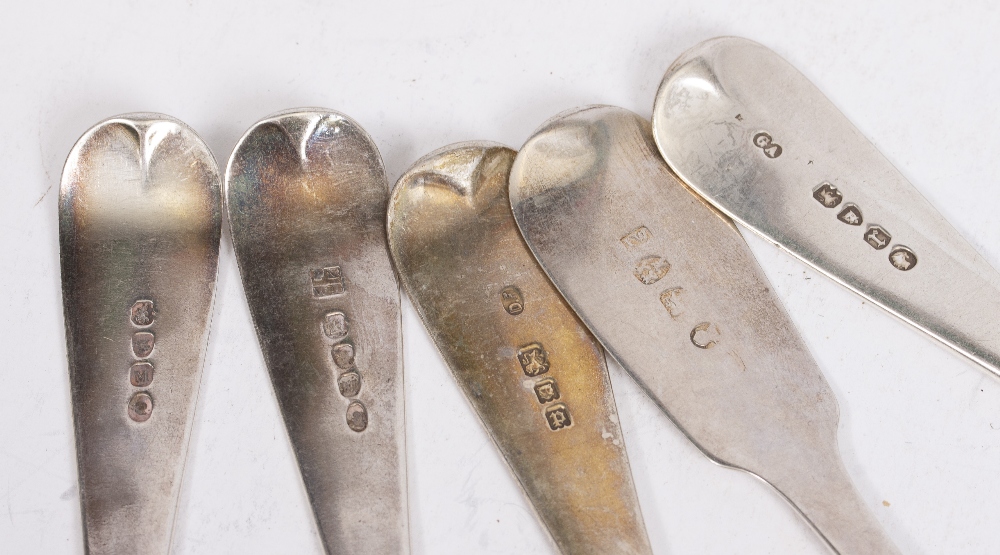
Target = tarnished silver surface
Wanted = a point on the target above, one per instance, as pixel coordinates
(534, 375)
(306, 196)
(672, 291)
(139, 225)
(758, 140)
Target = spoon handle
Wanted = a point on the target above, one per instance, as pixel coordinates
(139, 228)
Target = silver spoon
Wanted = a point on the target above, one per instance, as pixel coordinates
(139, 227)
(534, 375)
(672, 291)
(306, 196)
(760, 142)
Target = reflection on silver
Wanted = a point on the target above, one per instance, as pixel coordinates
(535, 376)
(139, 228)
(886, 242)
(306, 196)
(707, 339)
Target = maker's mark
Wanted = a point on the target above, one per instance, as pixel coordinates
(513, 301)
(327, 282)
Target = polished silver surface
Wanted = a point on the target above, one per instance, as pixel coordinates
(306, 196)
(672, 291)
(534, 375)
(758, 140)
(139, 226)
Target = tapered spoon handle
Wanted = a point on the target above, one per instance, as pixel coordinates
(139, 228)
(534, 375)
(671, 289)
(306, 196)
(759, 141)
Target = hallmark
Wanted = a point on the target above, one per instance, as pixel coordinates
(850, 215)
(546, 390)
(140, 374)
(343, 355)
(140, 407)
(636, 237)
(705, 335)
(335, 325)
(327, 282)
(142, 313)
(902, 258)
(764, 142)
(651, 269)
(558, 417)
(534, 360)
(828, 195)
(349, 383)
(671, 300)
(357, 416)
(877, 237)
(142, 344)
(513, 301)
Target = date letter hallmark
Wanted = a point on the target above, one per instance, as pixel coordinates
(877, 237)
(764, 142)
(534, 360)
(141, 374)
(558, 417)
(705, 335)
(651, 269)
(327, 282)
(513, 301)
(636, 237)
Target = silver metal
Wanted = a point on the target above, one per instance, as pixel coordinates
(534, 375)
(672, 291)
(306, 197)
(139, 228)
(759, 141)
